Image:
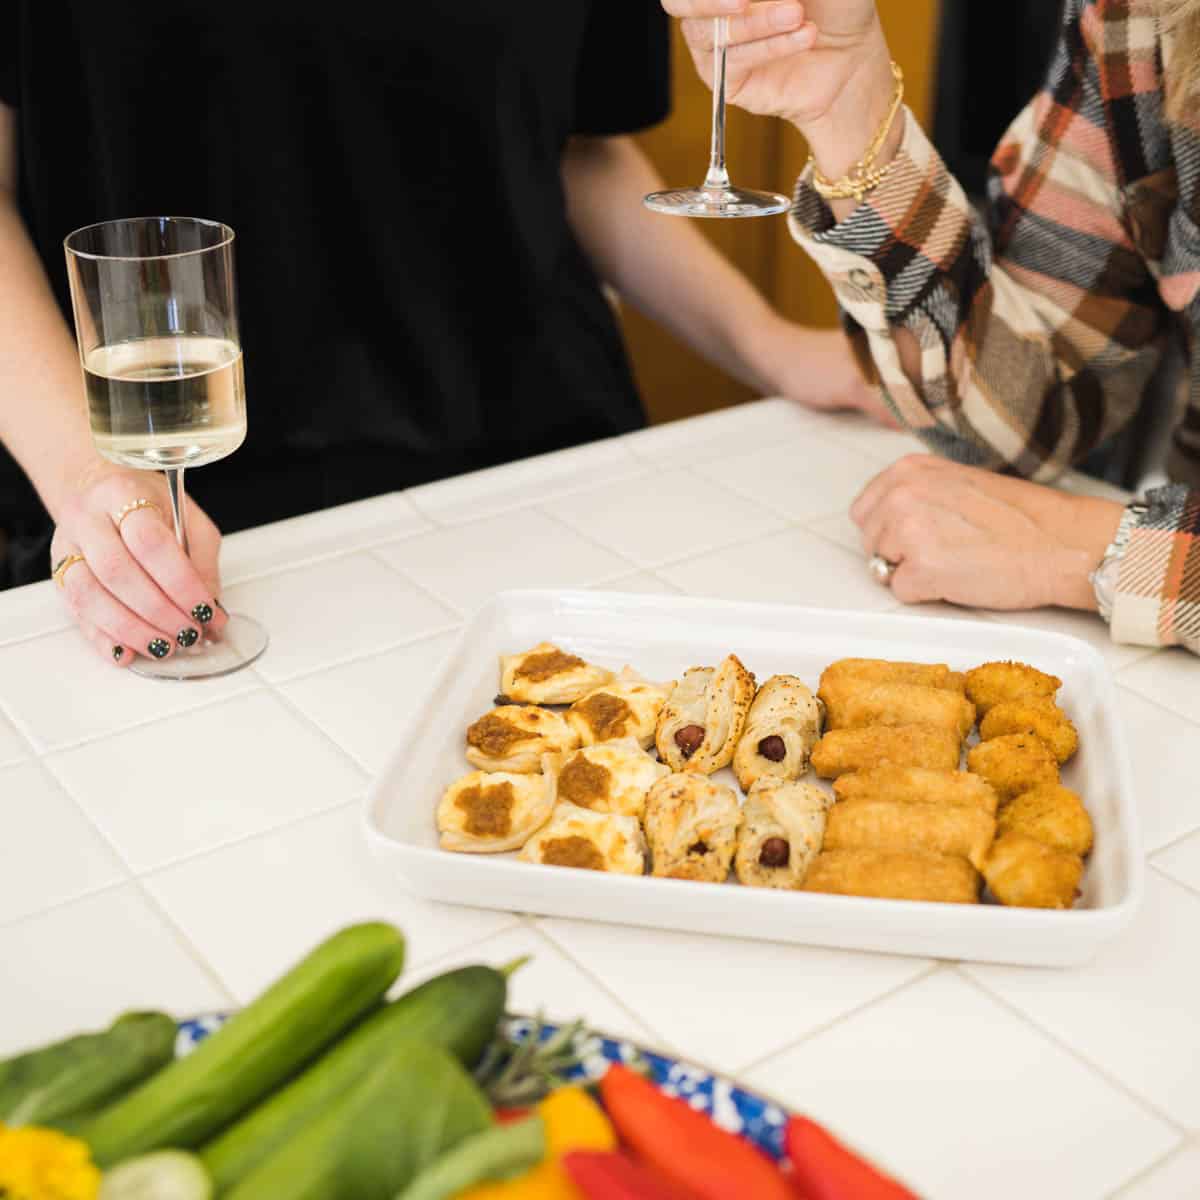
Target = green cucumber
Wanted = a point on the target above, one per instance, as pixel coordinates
(413, 1105)
(267, 1042)
(51, 1084)
(491, 1156)
(458, 1010)
(163, 1175)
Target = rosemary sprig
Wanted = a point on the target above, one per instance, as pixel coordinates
(515, 1074)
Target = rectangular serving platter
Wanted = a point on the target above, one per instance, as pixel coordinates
(663, 635)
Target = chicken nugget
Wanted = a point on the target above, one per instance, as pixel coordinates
(920, 785)
(881, 670)
(1025, 873)
(1031, 715)
(1013, 763)
(845, 750)
(1052, 814)
(854, 703)
(892, 875)
(881, 823)
(994, 682)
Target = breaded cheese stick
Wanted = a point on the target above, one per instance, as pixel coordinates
(880, 823)
(891, 875)
(844, 750)
(882, 670)
(854, 703)
(920, 785)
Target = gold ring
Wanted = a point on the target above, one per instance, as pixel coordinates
(132, 507)
(63, 566)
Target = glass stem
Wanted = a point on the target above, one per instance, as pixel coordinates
(718, 176)
(175, 487)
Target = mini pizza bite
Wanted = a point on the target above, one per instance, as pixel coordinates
(783, 826)
(626, 707)
(593, 841)
(612, 777)
(782, 726)
(692, 826)
(1025, 873)
(514, 738)
(1032, 715)
(548, 675)
(487, 812)
(1013, 763)
(995, 682)
(703, 717)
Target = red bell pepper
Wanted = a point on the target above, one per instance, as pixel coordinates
(824, 1169)
(684, 1146)
(611, 1175)
(509, 1116)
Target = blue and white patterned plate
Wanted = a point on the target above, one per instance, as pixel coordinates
(755, 1118)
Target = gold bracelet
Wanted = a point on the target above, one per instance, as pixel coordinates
(864, 175)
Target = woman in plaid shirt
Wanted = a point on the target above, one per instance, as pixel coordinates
(1017, 343)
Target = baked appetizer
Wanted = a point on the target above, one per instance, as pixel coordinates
(842, 751)
(1025, 873)
(995, 682)
(575, 837)
(783, 825)
(692, 826)
(488, 812)
(627, 707)
(514, 738)
(781, 728)
(703, 717)
(1051, 814)
(919, 785)
(852, 703)
(894, 875)
(613, 777)
(1032, 715)
(548, 675)
(882, 670)
(1013, 763)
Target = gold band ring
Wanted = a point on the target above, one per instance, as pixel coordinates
(132, 507)
(63, 566)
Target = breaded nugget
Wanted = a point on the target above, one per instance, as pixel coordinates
(919, 785)
(888, 875)
(995, 682)
(1031, 715)
(1051, 814)
(844, 750)
(1024, 873)
(1013, 763)
(881, 670)
(882, 823)
(854, 703)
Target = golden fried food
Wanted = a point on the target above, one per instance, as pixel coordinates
(845, 750)
(1041, 717)
(995, 682)
(882, 823)
(1013, 763)
(892, 875)
(919, 785)
(1025, 873)
(881, 670)
(1053, 815)
(854, 703)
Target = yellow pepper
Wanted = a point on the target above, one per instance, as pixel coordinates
(43, 1164)
(574, 1121)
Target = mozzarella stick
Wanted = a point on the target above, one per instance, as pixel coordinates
(921, 786)
(880, 670)
(891, 875)
(853, 703)
(883, 824)
(846, 750)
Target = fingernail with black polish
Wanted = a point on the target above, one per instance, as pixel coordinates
(118, 652)
(187, 637)
(203, 613)
(160, 647)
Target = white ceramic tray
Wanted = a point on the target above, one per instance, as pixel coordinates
(663, 635)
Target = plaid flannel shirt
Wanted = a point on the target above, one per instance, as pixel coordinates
(1040, 323)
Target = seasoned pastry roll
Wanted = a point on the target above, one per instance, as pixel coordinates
(783, 824)
(781, 728)
(1053, 815)
(853, 703)
(1024, 873)
(1032, 715)
(514, 738)
(626, 707)
(703, 717)
(881, 670)
(995, 682)
(844, 750)
(612, 777)
(575, 837)
(487, 812)
(881, 823)
(692, 827)
(1013, 763)
(548, 675)
(919, 785)
(892, 875)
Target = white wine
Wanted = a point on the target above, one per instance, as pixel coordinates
(163, 402)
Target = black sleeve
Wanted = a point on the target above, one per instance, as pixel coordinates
(623, 81)
(9, 37)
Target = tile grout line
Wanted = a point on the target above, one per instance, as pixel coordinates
(1171, 843)
(416, 585)
(326, 736)
(455, 951)
(1150, 699)
(1187, 887)
(586, 538)
(57, 905)
(1148, 1170)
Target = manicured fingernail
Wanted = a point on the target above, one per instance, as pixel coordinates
(187, 637)
(160, 647)
(203, 613)
(118, 653)
(787, 17)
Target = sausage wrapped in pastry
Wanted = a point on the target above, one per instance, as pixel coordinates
(783, 825)
(514, 738)
(882, 670)
(919, 785)
(853, 703)
(842, 751)
(692, 826)
(548, 675)
(781, 728)
(488, 812)
(703, 717)
(882, 823)
(894, 875)
(613, 777)
(626, 707)
(1024, 873)
(575, 837)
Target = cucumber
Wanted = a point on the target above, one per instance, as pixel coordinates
(51, 1084)
(414, 1104)
(163, 1175)
(458, 1010)
(193, 1097)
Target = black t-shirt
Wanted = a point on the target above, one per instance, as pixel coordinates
(413, 300)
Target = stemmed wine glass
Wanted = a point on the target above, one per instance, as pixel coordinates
(716, 196)
(156, 321)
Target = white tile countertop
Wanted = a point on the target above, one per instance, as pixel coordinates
(179, 845)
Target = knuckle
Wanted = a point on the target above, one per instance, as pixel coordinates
(146, 536)
(111, 567)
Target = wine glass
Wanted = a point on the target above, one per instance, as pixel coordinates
(716, 196)
(156, 321)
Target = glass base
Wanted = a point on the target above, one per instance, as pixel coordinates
(242, 641)
(717, 202)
